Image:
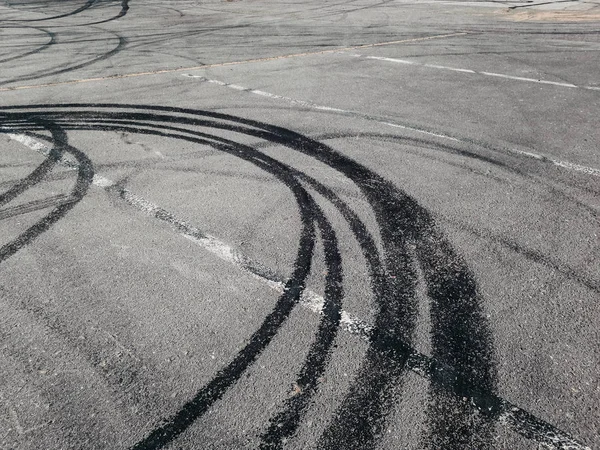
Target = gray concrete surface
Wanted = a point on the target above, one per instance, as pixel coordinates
(307, 224)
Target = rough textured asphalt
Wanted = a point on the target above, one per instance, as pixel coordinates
(306, 225)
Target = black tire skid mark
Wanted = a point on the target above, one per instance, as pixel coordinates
(40, 49)
(286, 422)
(319, 352)
(381, 372)
(84, 179)
(401, 221)
(33, 206)
(462, 339)
(88, 4)
(34, 177)
(440, 374)
(44, 73)
(528, 253)
(122, 13)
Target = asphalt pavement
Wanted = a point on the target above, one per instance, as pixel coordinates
(249, 224)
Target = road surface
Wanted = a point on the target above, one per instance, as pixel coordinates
(307, 224)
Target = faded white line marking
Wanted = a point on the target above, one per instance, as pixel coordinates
(306, 104)
(233, 63)
(576, 167)
(417, 362)
(223, 251)
(470, 71)
(531, 80)
(312, 105)
(428, 132)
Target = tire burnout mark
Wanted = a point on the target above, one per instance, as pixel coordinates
(82, 8)
(51, 41)
(50, 72)
(84, 179)
(89, 4)
(460, 335)
(122, 13)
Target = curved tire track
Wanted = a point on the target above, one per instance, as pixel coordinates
(463, 353)
(41, 48)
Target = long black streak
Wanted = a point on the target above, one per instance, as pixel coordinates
(39, 173)
(122, 13)
(461, 338)
(229, 375)
(286, 422)
(85, 175)
(44, 73)
(457, 381)
(40, 49)
(87, 5)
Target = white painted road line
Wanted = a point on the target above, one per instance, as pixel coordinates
(309, 300)
(233, 63)
(421, 364)
(474, 72)
(564, 164)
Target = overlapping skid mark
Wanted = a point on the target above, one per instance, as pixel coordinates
(389, 351)
(61, 69)
(256, 60)
(403, 125)
(425, 149)
(54, 38)
(51, 41)
(84, 179)
(89, 4)
(318, 354)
